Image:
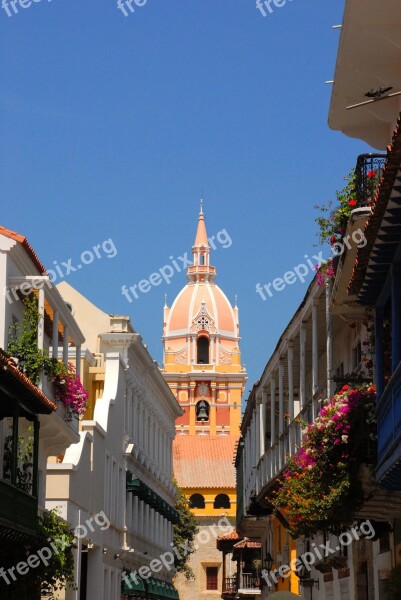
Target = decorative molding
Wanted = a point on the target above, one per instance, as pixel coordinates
(203, 321)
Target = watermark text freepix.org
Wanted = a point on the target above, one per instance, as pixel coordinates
(61, 270)
(262, 4)
(126, 6)
(318, 553)
(56, 546)
(167, 559)
(7, 5)
(302, 270)
(167, 272)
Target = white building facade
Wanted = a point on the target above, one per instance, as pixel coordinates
(22, 275)
(116, 482)
(320, 350)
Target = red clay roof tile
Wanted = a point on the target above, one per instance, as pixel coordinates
(26, 245)
(7, 363)
(204, 461)
(372, 226)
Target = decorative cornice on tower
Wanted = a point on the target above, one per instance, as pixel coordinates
(201, 270)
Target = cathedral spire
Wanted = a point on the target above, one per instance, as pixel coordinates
(201, 270)
(201, 234)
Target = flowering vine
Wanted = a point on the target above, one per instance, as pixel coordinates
(324, 271)
(334, 217)
(320, 489)
(69, 390)
(32, 361)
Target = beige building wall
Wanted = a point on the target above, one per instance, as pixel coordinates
(206, 555)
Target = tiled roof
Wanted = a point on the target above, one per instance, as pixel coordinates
(247, 543)
(7, 364)
(204, 461)
(372, 226)
(26, 245)
(232, 535)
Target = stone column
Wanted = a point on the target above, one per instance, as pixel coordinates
(273, 410)
(315, 348)
(55, 334)
(302, 370)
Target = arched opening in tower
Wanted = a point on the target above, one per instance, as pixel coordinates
(203, 351)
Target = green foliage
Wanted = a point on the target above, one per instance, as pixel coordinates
(23, 345)
(23, 342)
(184, 534)
(333, 220)
(393, 583)
(57, 575)
(320, 489)
(24, 461)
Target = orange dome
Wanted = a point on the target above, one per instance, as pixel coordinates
(202, 306)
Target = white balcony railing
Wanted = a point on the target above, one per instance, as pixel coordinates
(274, 460)
(48, 389)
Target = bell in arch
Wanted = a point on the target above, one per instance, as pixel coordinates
(202, 411)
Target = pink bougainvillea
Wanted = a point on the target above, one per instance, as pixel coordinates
(319, 488)
(324, 271)
(70, 391)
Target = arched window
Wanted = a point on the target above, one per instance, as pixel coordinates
(203, 350)
(197, 501)
(222, 501)
(202, 259)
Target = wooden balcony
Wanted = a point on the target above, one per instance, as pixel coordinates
(230, 586)
(18, 513)
(389, 434)
(249, 585)
(245, 584)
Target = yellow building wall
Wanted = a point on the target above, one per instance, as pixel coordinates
(282, 539)
(209, 495)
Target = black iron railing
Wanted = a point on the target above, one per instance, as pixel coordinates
(368, 172)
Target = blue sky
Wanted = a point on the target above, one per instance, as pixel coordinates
(113, 127)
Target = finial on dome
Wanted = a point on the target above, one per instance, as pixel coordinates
(235, 301)
(201, 207)
(165, 301)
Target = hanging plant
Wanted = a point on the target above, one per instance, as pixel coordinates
(324, 272)
(23, 342)
(48, 577)
(320, 489)
(23, 346)
(334, 217)
(69, 389)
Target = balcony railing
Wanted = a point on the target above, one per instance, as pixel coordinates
(49, 391)
(249, 581)
(366, 184)
(389, 433)
(275, 458)
(18, 511)
(230, 585)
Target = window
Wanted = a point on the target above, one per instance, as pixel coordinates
(203, 351)
(197, 501)
(211, 578)
(202, 259)
(222, 501)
